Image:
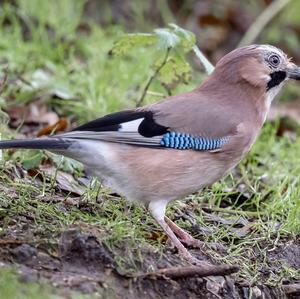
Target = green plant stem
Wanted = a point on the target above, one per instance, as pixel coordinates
(153, 76)
(204, 61)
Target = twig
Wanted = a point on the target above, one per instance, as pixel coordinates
(168, 90)
(204, 61)
(157, 70)
(23, 80)
(11, 242)
(262, 20)
(4, 80)
(156, 94)
(225, 210)
(189, 271)
(2, 86)
(291, 288)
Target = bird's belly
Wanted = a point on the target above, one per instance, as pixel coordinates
(146, 174)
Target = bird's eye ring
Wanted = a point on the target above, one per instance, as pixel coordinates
(274, 60)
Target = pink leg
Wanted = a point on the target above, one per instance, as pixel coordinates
(184, 236)
(157, 210)
(189, 240)
(182, 251)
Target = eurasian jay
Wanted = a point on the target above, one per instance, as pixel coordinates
(167, 150)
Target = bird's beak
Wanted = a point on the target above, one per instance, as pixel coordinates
(293, 72)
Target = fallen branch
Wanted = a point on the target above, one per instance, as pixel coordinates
(11, 242)
(291, 288)
(189, 271)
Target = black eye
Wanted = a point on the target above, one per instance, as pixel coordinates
(274, 60)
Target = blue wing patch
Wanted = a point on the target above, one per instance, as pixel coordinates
(186, 141)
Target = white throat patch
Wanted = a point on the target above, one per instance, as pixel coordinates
(271, 94)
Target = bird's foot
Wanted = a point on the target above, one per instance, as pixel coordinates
(187, 256)
(190, 241)
(195, 243)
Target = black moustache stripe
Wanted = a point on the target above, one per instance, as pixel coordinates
(276, 79)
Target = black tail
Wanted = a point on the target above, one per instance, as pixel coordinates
(37, 143)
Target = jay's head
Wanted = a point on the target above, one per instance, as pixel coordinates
(264, 67)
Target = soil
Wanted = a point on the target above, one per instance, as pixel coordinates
(79, 262)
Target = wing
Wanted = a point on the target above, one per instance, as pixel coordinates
(137, 120)
(180, 122)
(199, 114)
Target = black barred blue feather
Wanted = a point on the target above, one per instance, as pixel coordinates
(183, 141)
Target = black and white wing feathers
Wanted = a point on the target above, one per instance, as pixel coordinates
(136, 127)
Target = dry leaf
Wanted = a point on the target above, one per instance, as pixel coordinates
(59, 126)
(64, 180)
(34, 113)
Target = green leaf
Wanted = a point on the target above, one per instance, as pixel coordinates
(66, 164)
(166, 38)
(129, 41)
(176, 70)
(162, 38)
(32, 159)
(188, 38)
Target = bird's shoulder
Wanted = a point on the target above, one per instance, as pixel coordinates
(197, 113)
